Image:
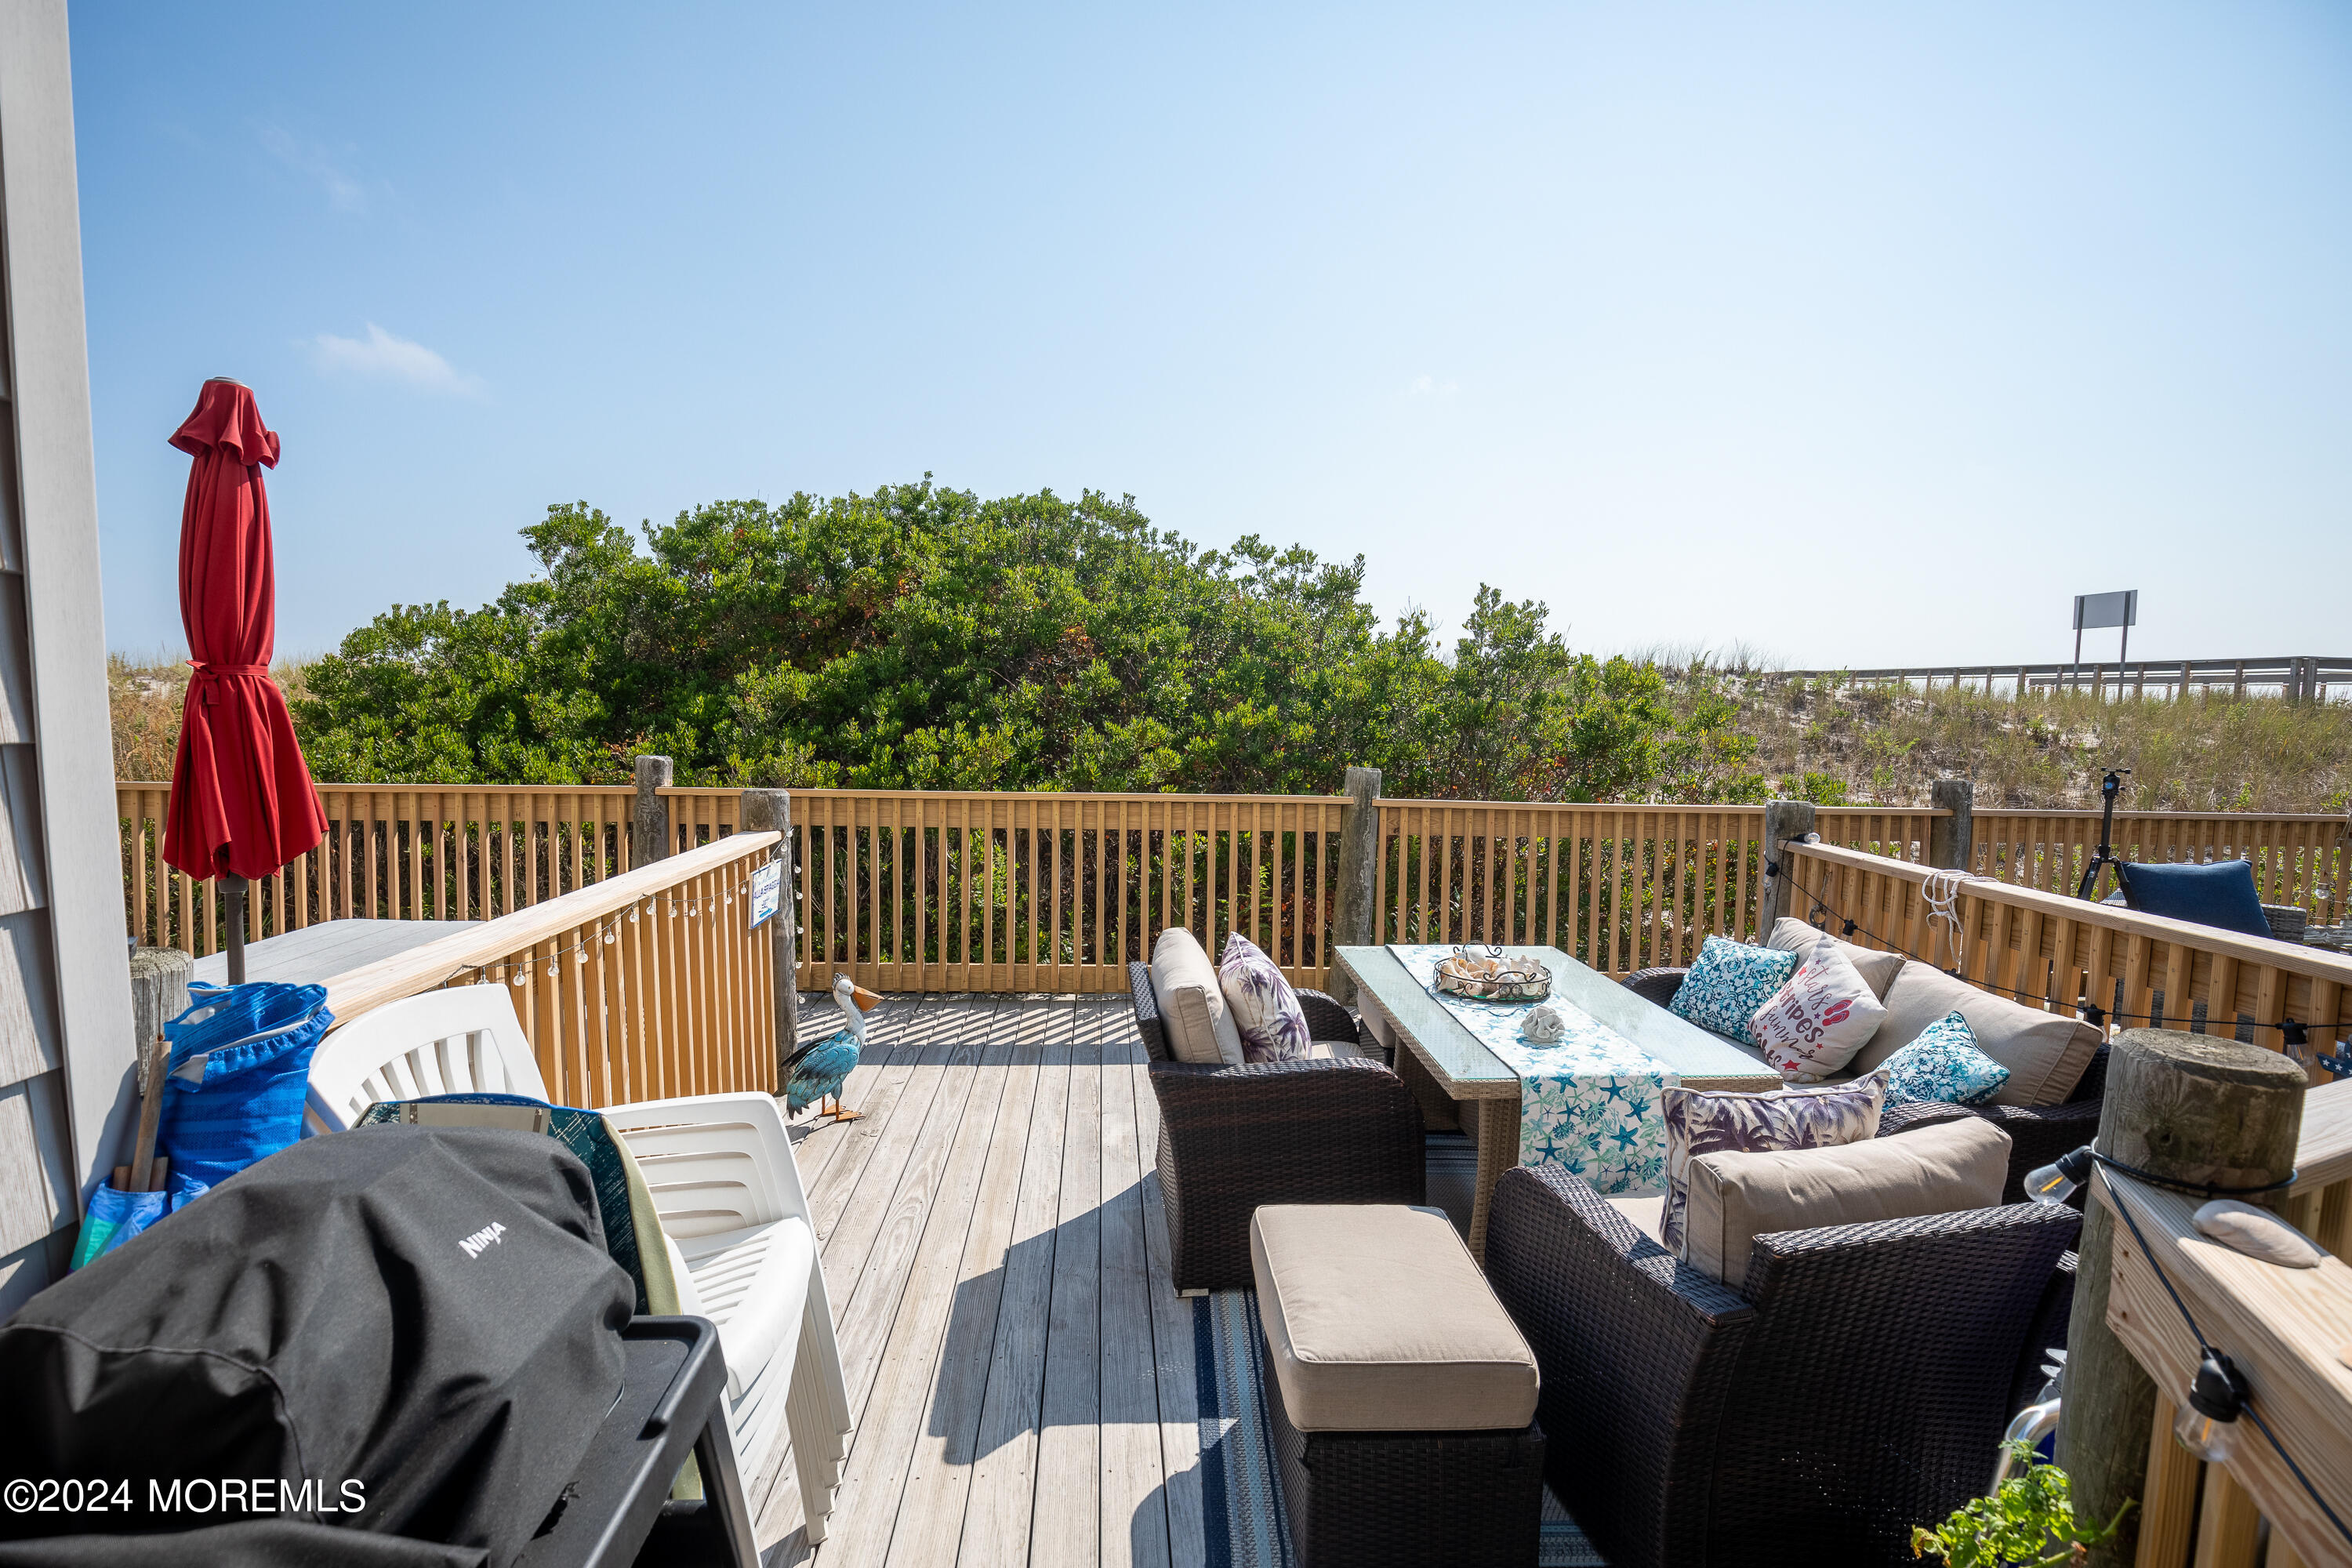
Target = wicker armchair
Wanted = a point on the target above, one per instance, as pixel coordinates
(1856, 1386)
(1337, 1130)
(2037, 1133)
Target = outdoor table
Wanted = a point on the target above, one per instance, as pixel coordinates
(1436, 1057)
(313, 955)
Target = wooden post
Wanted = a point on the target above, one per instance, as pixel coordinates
(1352, 916)
(2188, 1108)
(159, 992)
(1783, 820)
(770, 811)
(1952, 840)
(650, 838)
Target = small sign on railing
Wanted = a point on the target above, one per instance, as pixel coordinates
(767, 892)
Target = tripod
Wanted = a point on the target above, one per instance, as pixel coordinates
(2109, 787)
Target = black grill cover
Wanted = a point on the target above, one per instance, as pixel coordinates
(427, 1312)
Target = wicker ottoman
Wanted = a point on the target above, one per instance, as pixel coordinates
(1402, 1396)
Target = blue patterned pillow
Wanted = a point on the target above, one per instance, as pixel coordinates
(1728, 982)
(1944, 1064)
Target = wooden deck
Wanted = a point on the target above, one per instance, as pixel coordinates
(1020, 1368)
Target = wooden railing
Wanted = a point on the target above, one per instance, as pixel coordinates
(915, 891)
(2070, 956)
(392, 852)
(2286, 1328)
(649, 983)
(1619, 887)
(2299, 858)
(912, 889)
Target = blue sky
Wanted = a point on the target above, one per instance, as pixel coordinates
(1861, 334)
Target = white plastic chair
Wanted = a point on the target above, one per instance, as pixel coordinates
(723, 1180)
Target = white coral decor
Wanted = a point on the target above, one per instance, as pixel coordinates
(1544, 1026)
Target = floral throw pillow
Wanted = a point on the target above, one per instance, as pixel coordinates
(1811, 1026)
(1264, 1007)
(1728, 982)
(1944, 1064)
(1705, 1121)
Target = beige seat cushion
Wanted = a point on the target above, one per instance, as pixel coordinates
(1192, 1004)
(1877, 969)
(1734, 1198)
(1335, 1050)
(2045, 1053)
(1377, 1320)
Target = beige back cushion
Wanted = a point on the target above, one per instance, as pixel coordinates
(1877, 969)
(1734, 1198)
(1192, 1002)
(2045, 1053)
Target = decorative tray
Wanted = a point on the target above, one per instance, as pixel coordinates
(1489, 974)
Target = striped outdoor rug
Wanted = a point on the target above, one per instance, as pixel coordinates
(1239, 1477)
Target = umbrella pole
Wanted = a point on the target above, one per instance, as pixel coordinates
(232, 886)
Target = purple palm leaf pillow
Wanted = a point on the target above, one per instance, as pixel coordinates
(1264, 1007)
(1711, 1122)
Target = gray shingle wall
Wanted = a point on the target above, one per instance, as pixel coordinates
(65, 1010)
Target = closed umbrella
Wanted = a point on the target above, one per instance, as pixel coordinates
(242, 802)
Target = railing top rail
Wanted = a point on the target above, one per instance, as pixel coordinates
(402, 786)
(2307, 961)
(1122, 797)
(422, 968)
(1387, 800)
(2091, 812)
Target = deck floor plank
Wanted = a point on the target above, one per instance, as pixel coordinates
(1134, 1497)
(866, 1318)
(1003, 1486)
(900, 1397)
(1171, 1333)
(928, 1528)
(1021, 1367)
(1068, 1524)
(833, 1156)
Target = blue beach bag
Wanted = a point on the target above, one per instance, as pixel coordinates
(239, 1066)
(114, 1216)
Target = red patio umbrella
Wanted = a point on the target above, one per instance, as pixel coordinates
(242, 803)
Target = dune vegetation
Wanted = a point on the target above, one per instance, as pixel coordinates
(922, 638)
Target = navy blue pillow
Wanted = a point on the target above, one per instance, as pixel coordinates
(2221, 894)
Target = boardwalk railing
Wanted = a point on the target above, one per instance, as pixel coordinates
(2297, 858)
(646, 984)
(2099, 961)
(2296, 676)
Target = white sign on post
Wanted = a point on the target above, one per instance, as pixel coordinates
(767, 892)
(2118, 609)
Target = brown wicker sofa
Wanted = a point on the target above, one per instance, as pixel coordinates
(1854, 1385)
(1336, 1130)
(2037, 1133)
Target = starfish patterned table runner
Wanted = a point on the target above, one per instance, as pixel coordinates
(1589, 1103)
